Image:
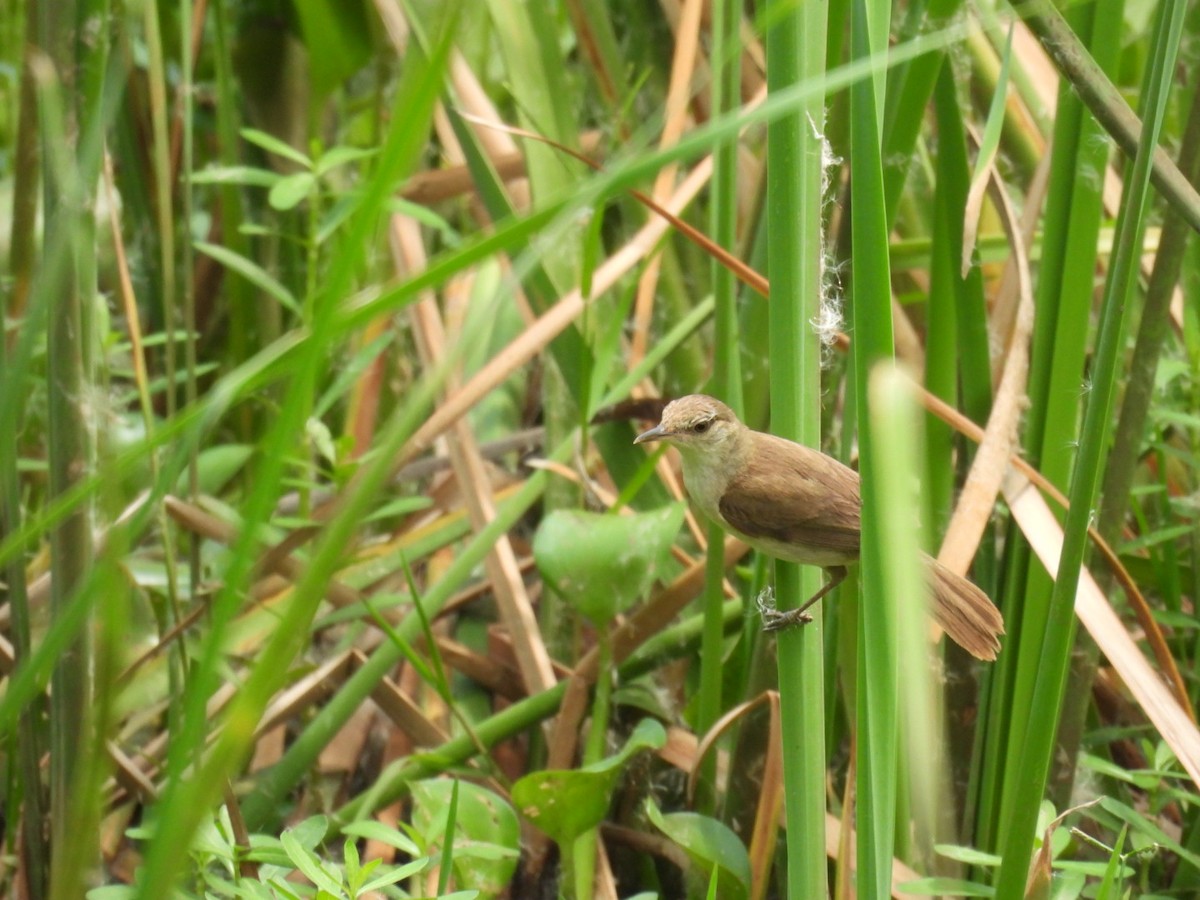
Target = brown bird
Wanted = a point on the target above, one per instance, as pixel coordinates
(799, 505)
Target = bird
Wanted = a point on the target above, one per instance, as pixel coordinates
(800, 505)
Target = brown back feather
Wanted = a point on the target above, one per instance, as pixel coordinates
(813, 500)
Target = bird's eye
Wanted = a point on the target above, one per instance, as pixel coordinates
(701, 427)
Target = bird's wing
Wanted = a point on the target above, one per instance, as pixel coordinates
(796, 496)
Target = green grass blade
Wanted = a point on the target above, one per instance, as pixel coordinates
(795, 49)
(877, 714)
(1047, 697)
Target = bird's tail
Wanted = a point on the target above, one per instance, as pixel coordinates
(965, 612)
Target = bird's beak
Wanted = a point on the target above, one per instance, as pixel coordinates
(654, 434)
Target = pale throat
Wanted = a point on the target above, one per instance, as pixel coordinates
(707, 472)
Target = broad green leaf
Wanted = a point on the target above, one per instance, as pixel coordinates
(564, 803)
(604, 563)
(484, 819)
(709, 844)
(648, 734)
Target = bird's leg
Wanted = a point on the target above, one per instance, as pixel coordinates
(774, 619)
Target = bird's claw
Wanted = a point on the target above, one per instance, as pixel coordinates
(776, 619)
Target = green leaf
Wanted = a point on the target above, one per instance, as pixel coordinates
(401, 506)
(308, 863)
(349, 372)
(1093, 868)
(607, 351)
(216, 466)
(272, 144)
(484, 819)
(291, 190)
(280, 889)
(968, 855)
(251, 271)
(945, 887)
(311, 831)
(1142, 779)
(709, 844)
(604, 563)
(426, 217)
(648, 734)
(338, 38)
(268, 851)
(339, 156)
(392, 874)
(336, 215)
(983, 161)
(321, 438)
(447, 842)
(565, 803)
(356, 872)
(1147, 829)
(248, 175)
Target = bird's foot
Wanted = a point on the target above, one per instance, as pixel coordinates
(776, 619)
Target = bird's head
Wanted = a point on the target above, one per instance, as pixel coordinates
(699, 426)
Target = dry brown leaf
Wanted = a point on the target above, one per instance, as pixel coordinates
(765, 837)
(304, 693)
(1044, 534)
(341, 755)
(978, 496)
(407, 715)
(503, 571)
(679, 92)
